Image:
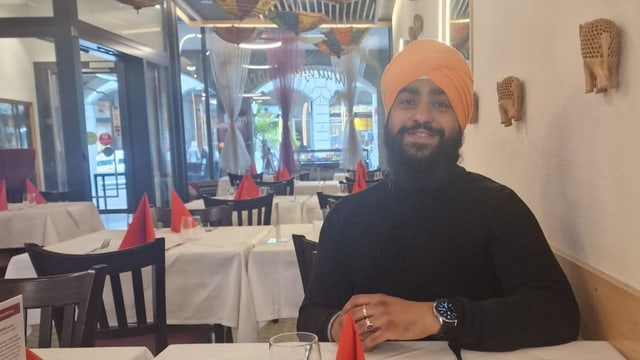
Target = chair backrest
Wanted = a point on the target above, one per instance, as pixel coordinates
(234, 179)
(70, 301)
(129, 262)
(215, 216)
(162, 216)
(283, 187)
(306, 252)
(56, 196)
(351, 181)
(327, 200)
(260, 207)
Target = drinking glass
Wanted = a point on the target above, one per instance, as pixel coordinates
(231, 190)
(343, 188)
(264, 190)
(190, 228)
(294, 346)
(28, 199)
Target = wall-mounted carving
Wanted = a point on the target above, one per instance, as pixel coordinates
(509, 100)
(600, 46)
(416, 29)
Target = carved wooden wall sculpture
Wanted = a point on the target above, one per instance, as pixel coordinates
(600, 46)
(509, 100)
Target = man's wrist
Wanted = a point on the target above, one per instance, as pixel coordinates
(330, 327)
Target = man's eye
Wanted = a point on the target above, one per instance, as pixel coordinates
(406, 102)
(442, 105)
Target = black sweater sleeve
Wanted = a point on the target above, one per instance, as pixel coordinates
(537, 307)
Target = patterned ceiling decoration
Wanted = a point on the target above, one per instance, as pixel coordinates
(237, 35)
(333, 48)
(346, 36)
(242, 9)
(139, 4)
(297, 22)
(227, 12)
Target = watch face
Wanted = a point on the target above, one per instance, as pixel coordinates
(446, 310)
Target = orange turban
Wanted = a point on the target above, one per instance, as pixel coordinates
(440, 63)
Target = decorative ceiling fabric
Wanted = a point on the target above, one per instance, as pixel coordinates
(297, 21)
(139, 4)
(339, 2)
(289, 58)
(347, 36)
(333, 49)
(230, 77)
(238, 35)
(351, 68)
(242, 9)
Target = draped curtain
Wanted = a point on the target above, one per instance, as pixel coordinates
(351, 67)
(230, 78)
(285, 61)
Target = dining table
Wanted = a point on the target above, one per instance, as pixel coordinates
(399, 350)
(206, 278)
(274, 277)
(95, 353)
(47, 224)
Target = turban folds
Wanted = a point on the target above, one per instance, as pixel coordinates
(440, 63)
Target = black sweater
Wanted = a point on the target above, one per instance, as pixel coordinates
(469, 239)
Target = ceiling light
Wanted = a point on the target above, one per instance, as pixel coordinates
(261, 45)
(263, 97)
(251, 94)
(246, 66)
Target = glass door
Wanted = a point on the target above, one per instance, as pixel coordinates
(104, 135)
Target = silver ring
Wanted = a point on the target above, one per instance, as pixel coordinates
(364, 311)
(368, 324)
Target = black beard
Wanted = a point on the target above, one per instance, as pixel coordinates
(408, 171)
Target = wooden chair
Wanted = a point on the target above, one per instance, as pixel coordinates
(283, 187)
(5, 256)
(162, 216)
(215, 216)
(260, 207)
(56, 196)
(306, 253)
(70, 301)
(351, 181)
(129, 261)
(234, 179)
(326, 201)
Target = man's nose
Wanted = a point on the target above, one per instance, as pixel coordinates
(423, 112)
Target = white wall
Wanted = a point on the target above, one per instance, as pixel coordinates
(574, 157)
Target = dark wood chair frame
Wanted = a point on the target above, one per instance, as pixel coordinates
(326, 200)
(306, 253)
(234, 179)
(261, 205)
(70, 302)
(283, 187)
(132, 260)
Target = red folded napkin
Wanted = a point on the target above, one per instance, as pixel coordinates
(32, 356)
(247, 188)
(3, 196)
(349, 345)
(252, 169)
(178, 210)
(141, 229)
(361, 177)
(31, 189)
(282, 174)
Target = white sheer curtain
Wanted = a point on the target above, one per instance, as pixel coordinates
(230, 78)
(351, 67)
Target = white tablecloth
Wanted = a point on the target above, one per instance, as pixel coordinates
(407, 350)
(312, 187)
(47, 224)
(274, 277)
(97, 353)
(206, 279)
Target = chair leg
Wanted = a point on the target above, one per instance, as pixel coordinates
(222, 334)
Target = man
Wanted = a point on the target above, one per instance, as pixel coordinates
(434, 250)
